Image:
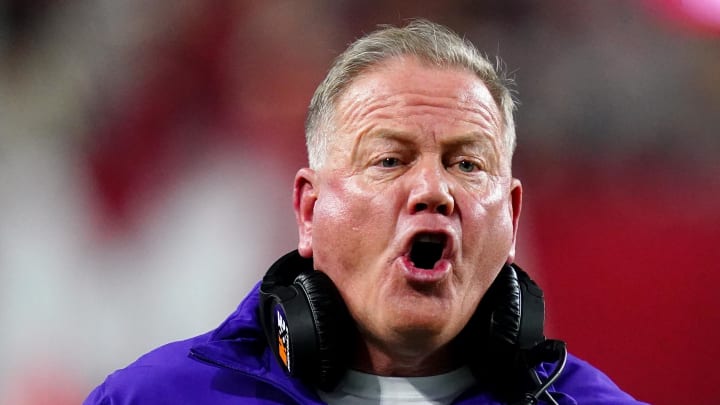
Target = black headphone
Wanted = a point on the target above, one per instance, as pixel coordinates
(309, 329)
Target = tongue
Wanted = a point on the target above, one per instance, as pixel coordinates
(425, 254)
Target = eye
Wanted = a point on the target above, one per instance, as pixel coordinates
(467, 166)
(390, 162)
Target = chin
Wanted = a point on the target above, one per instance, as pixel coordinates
(433, 330)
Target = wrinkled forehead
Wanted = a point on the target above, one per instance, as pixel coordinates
(404, 89)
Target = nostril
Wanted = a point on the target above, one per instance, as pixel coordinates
(420, 207)
(440, 209)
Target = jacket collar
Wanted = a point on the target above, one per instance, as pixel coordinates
(239, 344)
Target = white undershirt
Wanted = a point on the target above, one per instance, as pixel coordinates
(358, 388)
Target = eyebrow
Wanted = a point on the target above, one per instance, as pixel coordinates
(471, 138)
(382, 133)
(404, 138)
(475, 139)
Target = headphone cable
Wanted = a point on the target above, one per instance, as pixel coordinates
(560, 346)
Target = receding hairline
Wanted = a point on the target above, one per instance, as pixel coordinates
(421, 40)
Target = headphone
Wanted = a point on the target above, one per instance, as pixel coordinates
(310, 331)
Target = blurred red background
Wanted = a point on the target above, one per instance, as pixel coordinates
(148, 152)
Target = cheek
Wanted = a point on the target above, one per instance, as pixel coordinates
(488, 201)
(350, 223)
(487, 191)
(487, 223)
(341, 210)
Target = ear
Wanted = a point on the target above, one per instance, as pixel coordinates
(304, 197)
(515, 206)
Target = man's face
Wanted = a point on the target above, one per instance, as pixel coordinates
(414, 211)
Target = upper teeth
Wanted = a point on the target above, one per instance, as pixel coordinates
(434, 238)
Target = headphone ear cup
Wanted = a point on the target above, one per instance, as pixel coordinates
(506, 311)
(517, 313)
(333, 328)
(508, 320)
(490, 337)
(305, 321)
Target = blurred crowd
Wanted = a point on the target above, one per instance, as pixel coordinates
(147, 151)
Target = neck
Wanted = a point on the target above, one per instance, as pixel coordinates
(411, 359)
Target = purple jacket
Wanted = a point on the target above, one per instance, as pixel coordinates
(233, 365)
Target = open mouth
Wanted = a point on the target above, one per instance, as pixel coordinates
(427, 249)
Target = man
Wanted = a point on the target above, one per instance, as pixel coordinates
(410, 213)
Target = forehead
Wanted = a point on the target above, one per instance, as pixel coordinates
(405, 90)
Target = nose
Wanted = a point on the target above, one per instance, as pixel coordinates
(430, 191)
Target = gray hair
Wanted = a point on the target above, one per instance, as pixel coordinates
(431, 43)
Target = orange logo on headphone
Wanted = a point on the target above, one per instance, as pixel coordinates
(283, 351)
(283, 339)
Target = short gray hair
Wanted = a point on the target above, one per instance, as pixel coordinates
(431, 43)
